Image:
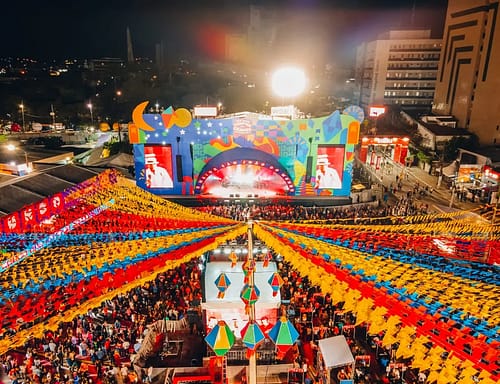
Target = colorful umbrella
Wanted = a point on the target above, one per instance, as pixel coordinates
(275, 281)
(283, 334)
(222, 282)
(220, 338)
(252, 336)
(249, 295)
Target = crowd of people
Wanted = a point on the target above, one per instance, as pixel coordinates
(106, 337)
(96, 347)
(279, 211)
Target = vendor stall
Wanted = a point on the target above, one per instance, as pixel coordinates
(334, 352)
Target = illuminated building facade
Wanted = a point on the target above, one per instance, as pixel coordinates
(398, 68)
(469, 74)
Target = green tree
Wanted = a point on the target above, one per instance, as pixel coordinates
(450, 150)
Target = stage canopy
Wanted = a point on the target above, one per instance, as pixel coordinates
(336, 352)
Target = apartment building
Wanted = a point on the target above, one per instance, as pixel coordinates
(469, 76)
(398, 68)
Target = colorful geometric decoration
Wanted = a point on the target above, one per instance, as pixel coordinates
(356, 112)
(220, 339)
(284, 335)
(138, 119)
(222, 283)
(248, 268)
(249, 295)
(252, 336)
(180, 117)
(275, 281)
(234, 258)
(267, 258)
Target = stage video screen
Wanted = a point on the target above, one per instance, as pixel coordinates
(329, 166)
(158, 166)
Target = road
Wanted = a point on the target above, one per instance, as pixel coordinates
(438, 198)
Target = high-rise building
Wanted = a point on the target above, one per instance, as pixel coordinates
(398, 68)
(469, 76)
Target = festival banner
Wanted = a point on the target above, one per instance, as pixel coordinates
(28, 216)
(43, 210)
(56, 203)
(12, 223)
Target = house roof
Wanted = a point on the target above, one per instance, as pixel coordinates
(443, 130)
(491, 152)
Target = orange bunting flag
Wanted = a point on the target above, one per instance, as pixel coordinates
(234, 258)
(267, 259)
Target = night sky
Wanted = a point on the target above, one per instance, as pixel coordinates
(90, 29)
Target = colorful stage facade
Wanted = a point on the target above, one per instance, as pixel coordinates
(243, 156)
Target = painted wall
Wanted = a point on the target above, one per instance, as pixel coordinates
(184, 146)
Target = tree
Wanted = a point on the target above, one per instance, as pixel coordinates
(450, 150)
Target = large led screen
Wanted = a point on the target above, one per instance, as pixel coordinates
(158, 166)
(329, 166)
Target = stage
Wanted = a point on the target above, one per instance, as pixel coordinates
(306, 201)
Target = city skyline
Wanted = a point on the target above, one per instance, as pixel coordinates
(331, 29)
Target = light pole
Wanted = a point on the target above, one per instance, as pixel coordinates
(22, 114)
(89, 106)
(53, 115)
(252, 361)
(12, 147)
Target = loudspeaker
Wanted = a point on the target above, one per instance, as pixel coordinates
(309, 168)
(178, 164)
(191, 153)
(237, 195)
(231, 195)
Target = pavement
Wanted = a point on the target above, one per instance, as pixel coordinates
(439, 197)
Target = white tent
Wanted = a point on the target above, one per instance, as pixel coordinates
(335, 353)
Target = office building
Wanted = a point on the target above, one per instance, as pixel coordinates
(469, 76)
(398, 68)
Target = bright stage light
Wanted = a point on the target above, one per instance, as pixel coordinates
(288, 82)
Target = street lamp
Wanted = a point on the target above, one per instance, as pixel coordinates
(22, 114)
(89, 106)
(12, 147)
(53, 115)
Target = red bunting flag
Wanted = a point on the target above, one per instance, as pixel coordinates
(43, 210)
(28, 216)
(12, 223)
(56, 203)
